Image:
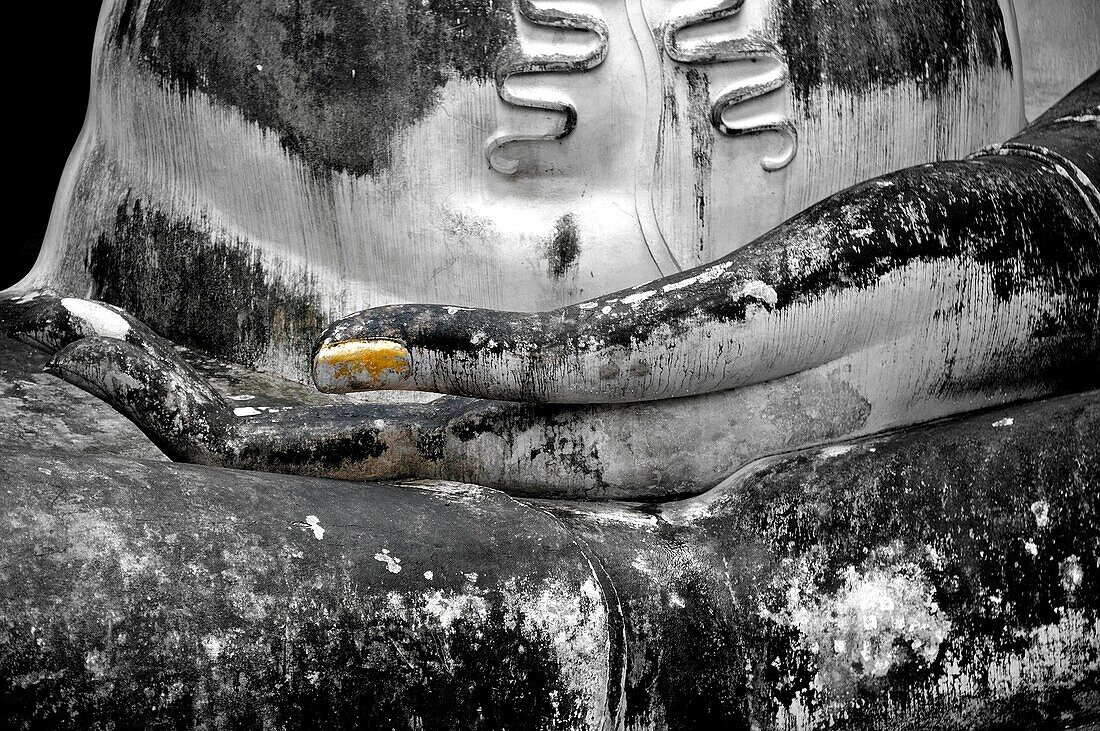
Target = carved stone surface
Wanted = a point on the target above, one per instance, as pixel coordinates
(239, 194)
(943, 577)
(940, 289)
(516, 60)
(251, 169)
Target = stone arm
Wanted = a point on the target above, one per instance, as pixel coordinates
(967, 265)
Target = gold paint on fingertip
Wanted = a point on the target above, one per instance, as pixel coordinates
(366, 362)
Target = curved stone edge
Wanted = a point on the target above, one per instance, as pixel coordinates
(147, 593)
(940, 577)
(944, 575)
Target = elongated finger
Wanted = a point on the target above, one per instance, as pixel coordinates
(647, 450)
(156, 390)
(886, 260)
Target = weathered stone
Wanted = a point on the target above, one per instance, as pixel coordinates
(940, 577)
(252, 170)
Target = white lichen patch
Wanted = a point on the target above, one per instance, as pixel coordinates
(1058, 655)
(1071, 573)
(96, 663)
(446, 608)
(213, 646)
(457, 491)
(707, 275)
(100, 318)
(935, 557)
(1084, 118)
(314, 524)
(611, 514)
(695, 509)
(1041, 510)
(89, 537)
(759, 291)
(393, 564)
(858, 630)
(638, 297)
(574, 620)
(834, 451)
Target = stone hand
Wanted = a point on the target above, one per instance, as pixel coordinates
(918, 295)
(956, 279)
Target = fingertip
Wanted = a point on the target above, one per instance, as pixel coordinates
(362, 365)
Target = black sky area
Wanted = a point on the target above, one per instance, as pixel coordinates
(48, 57)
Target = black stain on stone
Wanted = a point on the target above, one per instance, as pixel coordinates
(178, 654)
(558, 432)
(564, 246)
(200, 288)
(127, 23)
(448, 332)
(857, 45)
(702, 673)
(670, 106)
(470, 420)
(702, 147)
(609, 372)
(303, 452)
(336, 80)
(431, 445)
(1017, 221)
(1007, 215)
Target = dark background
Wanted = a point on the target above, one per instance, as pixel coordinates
(48, 54)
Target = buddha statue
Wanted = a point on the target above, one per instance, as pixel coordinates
(726, 363)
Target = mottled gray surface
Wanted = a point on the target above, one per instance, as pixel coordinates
(43, 413)
(942, 577)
